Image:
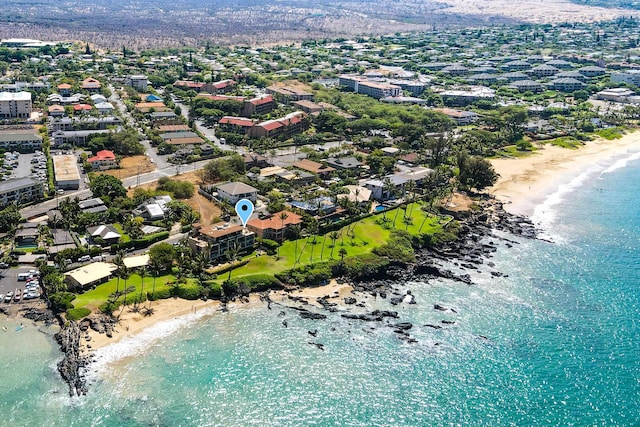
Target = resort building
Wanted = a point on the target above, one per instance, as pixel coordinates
(217, 239)
(376, 90)
(20, 191)
(66, 173)
(462, 118)
(15, 105)
(618, 94)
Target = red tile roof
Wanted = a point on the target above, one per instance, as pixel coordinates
(270, 125)
(275, 222)
(223, 84)
(102, 155)
(216, 231)
(236, 121)
(81, 107)
(261, 100)
(64, 86)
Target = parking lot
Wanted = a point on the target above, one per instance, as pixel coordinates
(9, 281)
(18, 165)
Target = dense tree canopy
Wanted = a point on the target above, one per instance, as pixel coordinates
(107, 186)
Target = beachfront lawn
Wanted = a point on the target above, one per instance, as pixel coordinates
(94, 297)
(356, 239)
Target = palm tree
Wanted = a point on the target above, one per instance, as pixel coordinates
(334, 235)
(142, 273)
(296, 231)
(283, 217)
(342, 252)
(232, 255)
(118, 261)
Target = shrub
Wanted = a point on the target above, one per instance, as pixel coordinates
(215, 289)
(61, 301)
(363, 266)
(77, 313)
(108, 307)
(260, 282)
(161, 293)
(271, 246)
(308, 275)
(398, 247)
(190, 291)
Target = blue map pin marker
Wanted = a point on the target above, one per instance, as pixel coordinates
(244, 209)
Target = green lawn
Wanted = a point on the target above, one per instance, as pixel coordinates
(93, 298)
(358, 238)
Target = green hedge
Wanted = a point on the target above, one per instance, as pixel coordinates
(260, 282)
(227, 267)
(309, 275)
(190, 291)
(140, 243)
(161, 293)
(214, 288)
(77, 313)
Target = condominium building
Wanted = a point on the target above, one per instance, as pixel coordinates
(284, 127)
(20, 140)
(287, 94)
(217, 239)
(15, 105)
(138, 82)
(20, 191)
(258, 106)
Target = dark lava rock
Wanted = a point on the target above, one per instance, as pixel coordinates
(448, 322)
(405, 326)
(429, 325)
(349, 300)
(312, 316)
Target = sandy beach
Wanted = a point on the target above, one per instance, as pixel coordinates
(526, 182)
(131, 324)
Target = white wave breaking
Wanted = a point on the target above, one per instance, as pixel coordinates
(545, 214)
(136, 344)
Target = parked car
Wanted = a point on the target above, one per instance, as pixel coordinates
(84, 258)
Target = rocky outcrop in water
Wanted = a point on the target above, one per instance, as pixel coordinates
(69, 367)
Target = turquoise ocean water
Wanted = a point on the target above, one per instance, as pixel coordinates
(561, 348)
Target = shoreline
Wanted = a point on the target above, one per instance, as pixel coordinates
(132, 324)
(526, 183)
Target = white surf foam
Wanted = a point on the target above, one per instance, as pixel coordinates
(136, 344)
(545, 214)
(621, 163)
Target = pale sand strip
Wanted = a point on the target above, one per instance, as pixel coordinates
(526, 182)
(131, 324)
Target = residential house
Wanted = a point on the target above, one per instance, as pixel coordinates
(93, 205)
(231, 192)
(344, 163)
(165, 118)
(104, 107)
(138, 82)
(56, 110)
(357, 194)
(153, 209)
(252, 160)
(544, 71)
(308, 107)
(103, 160)
(148, 107)
(274, 227)
(27, 235)
(105, 234)
(314, 167)
(91, 85)
(65, 89)
(526, 86)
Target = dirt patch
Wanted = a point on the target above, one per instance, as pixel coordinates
(131, 166)
(458, 202)
(208, 211)
(295, 84)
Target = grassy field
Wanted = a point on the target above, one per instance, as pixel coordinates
(93, 298)
(358, 238)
